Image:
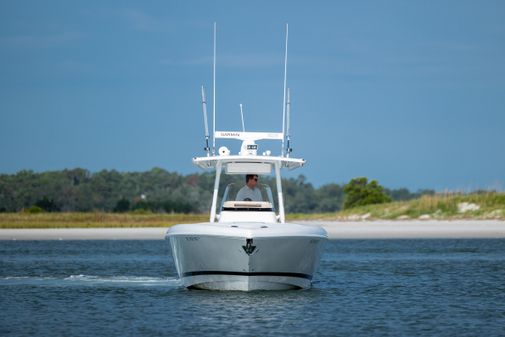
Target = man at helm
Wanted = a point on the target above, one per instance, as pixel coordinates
(250, 192)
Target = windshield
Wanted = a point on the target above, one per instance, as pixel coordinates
(241, 197)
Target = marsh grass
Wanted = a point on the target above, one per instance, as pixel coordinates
(95, 220)
(442, 206)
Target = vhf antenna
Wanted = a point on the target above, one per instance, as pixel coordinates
(205, 122)
(288, 133)
(242, 115)
(284, 93)
(214, 96)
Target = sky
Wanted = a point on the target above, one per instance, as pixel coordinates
(411, 93)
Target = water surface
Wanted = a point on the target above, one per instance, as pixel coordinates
(364, 287)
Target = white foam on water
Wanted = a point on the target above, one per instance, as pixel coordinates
(92, 280)
(125, 280)
(26, 278)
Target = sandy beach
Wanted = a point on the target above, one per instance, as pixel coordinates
(335, 229)
(414, 229)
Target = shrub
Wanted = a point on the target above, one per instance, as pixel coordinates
(34, 210)
(123, 205)
(360, 192)
(47, 205)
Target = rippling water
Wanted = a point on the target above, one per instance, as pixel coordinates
(364, 287)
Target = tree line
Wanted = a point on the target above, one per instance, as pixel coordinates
(158, 190)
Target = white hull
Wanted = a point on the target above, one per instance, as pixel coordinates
(246, 256)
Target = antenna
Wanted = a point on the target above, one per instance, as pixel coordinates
(214, 96)
(284, 93)
(205, 121)
(288, 133)
(242, 115)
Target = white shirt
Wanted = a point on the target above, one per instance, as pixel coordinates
(249, 193)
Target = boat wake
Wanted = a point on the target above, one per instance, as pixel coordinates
(92, 280)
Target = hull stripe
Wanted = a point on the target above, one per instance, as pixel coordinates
(238, 273)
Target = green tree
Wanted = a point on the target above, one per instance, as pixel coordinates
(360, 192)
(47, 204)
(329, 198)
(123, 205)
(299, 195)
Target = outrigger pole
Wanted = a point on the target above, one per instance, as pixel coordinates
(205, 122)
(288, 132)
(214, 97)
(242, 115)
(285, 135)
(284, 94)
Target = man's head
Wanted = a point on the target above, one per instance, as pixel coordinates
(251, 180)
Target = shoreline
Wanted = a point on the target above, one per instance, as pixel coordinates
(412, 229)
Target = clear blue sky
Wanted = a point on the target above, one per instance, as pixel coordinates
(411, 93)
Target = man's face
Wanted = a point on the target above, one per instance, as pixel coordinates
(252, 182)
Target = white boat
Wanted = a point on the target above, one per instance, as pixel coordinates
(246, 245)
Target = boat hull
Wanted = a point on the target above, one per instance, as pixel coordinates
(246, 256)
